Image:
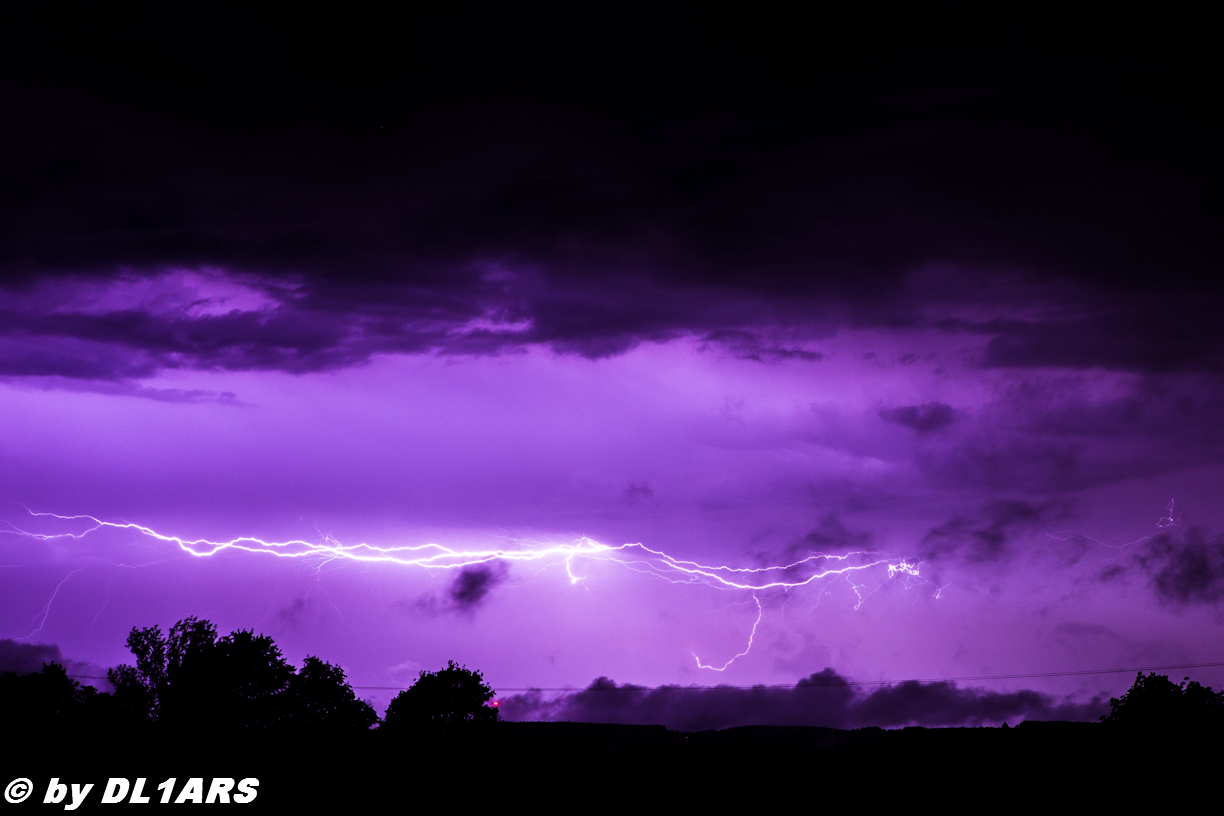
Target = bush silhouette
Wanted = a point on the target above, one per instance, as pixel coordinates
(1155, 701)
(450, 697)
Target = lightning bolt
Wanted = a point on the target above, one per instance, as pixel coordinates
(434, 557)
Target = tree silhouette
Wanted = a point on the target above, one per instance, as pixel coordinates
(323, 699)
(171, 671)
(446, 698)
(1156, 701)
(191, 679)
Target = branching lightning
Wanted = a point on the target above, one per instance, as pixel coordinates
(437, 557)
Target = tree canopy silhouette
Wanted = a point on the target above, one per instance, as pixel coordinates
(445, 698)
(193, 679)
(321, 698)
(1156, 701)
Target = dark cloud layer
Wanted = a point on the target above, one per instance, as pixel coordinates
(469, 184)
(1184, 569)
(24, 658)
(928, 418)
(822, 699)
(1050, 434)
(832, 536)
(27, 657)
(987, 537)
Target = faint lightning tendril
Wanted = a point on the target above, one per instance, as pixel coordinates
(46, 611)
(748, 648)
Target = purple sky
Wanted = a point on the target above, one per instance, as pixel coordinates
(954, 317)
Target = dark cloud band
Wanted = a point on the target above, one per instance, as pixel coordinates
(823, 699)
(706, 181)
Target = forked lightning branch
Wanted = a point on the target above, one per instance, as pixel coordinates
(814, 569)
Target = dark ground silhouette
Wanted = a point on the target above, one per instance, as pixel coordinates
(196, 703)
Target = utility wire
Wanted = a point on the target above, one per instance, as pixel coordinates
(858, 682)
(834, 684)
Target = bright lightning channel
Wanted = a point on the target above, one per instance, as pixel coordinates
(634, 556)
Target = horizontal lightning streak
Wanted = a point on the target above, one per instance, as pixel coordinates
(637, 557)
(436, 556)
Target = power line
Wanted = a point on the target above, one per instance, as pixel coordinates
(855, 682)
(832, 684)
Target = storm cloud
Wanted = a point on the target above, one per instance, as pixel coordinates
(822, 699)
(987, 537)
(1185, 568)
(905, 288)
(25, 658)
(473, 584)
(928, 418)
(664, 185)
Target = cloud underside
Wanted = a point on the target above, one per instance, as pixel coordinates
(318, 324)
(823, 699)
(1182, 569)
(673, 186)
(25, 658)
(306, 206)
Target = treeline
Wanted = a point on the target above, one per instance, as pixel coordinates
(192, 681)
(1155, 701)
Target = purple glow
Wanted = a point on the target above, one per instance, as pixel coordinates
(688, 373)
(729, 463)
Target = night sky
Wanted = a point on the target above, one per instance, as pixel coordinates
(924, 306)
